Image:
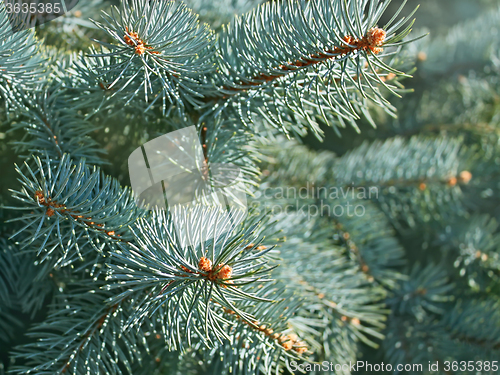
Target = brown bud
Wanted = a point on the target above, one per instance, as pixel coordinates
(452, 181)
(287, 345)
(39, 196)
(390, 76)
(140, 49)
(205, 264)
(376, 36)
(283, 338)
(465, 177)
(225, 272)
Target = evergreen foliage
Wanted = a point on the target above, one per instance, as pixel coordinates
(382, 248)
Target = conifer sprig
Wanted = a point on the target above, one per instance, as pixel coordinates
(20, 62)
(74, 211)
(161, 43)
(93, 336)
(309, 59)
(187, 286)
(53, 127)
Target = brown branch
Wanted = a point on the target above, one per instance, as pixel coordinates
(204, 145)
(53, 206)
(462, 178)
(351, 246)
(288, 342)
(371, 43)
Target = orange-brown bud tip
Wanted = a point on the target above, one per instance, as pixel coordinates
(225, 272)
(465, 177)
(376, 36)
(205, 264)
(287, 345)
